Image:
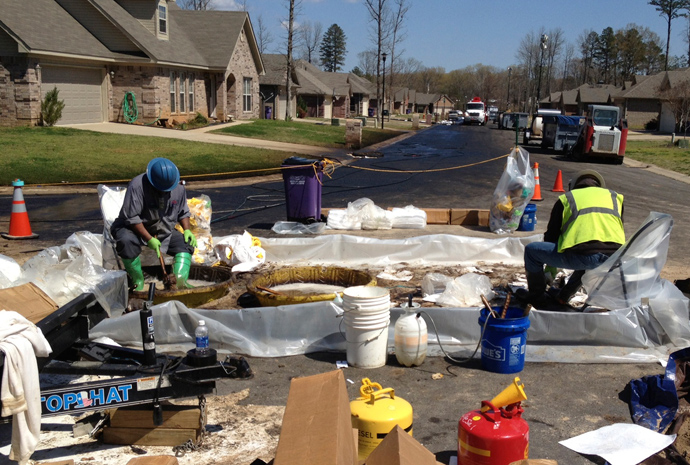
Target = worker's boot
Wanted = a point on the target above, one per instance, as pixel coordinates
(536, 295)
(181, 266)
(133, 268)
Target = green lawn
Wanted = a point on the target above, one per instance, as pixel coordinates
(661, 154)
(41, 155)
(307, 133)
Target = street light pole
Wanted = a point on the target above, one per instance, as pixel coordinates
(383, 106)
(510, 70)
(544, 39)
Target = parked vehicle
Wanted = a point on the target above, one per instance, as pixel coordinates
(512, 119)
(536, 126)
(561, 132)
(493, 114)
(476, 112)
(603, 134)
(456, 117)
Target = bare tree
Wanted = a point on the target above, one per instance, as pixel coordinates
(567, 66)
(397, 37)
(367, 62)
(293, 6)
(200, 5)
(263, 35)
(553, 52)
(678, 100)
(378, 14)
(687, 37)
(309, 37)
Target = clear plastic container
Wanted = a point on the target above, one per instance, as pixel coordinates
(201, 334)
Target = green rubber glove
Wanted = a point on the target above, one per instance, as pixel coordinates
(189, 238)
(154, 244)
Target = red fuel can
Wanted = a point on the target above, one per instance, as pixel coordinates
(492, 436)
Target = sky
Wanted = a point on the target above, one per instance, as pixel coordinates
(454, 34)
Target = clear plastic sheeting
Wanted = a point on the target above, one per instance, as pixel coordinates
(348, 250)
(111, 200)
(67, 271)
(633, 272)
(622, 336)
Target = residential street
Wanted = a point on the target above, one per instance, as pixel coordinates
(563, 399)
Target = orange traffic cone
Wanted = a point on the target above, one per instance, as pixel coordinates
(537, 186)
(19, 219)
(558, 185)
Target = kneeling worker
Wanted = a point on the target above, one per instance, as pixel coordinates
(154, 203)
(585, 228)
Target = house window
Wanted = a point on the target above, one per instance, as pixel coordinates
(173, 92)
(183, 92)
(247, 95)
(191, 93)
(162, 19)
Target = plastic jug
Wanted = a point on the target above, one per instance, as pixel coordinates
(410, 338)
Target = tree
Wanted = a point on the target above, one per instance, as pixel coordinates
(293, 6)
(605, 55)
(51, 108)
(333, 51)
(670, 10)
(200, 5)
(378, 14)
(678, 100)
(357, 71)
(397, 36)
(309, 36)
(264, 38)
(588, 44)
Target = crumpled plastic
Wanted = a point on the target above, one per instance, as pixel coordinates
(514, 191)
(293, 227)
(434, 283)
(364, 214)
(111, 200)
(242, 251)
(10, 272)
(466, 291)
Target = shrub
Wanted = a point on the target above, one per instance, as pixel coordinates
(199, 119)
(51, 108)
(301, 108)
(652, 125)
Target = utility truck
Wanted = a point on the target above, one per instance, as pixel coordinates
(604, 134)
(476, 112)
(536, 128)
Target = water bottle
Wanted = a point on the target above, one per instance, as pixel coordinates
(201, 334)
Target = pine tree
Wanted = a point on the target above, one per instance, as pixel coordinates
(333, 51)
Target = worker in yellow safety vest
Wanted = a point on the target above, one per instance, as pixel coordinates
(585, 228)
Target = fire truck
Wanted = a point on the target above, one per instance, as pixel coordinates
(476, 112)
(604, 134)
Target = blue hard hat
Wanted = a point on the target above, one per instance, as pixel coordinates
(163, 174)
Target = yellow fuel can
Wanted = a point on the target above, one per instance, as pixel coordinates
(375, 413)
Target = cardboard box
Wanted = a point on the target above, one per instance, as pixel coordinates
(28, 300)
(398, 448)
(437, 215)
(468, 217)
(317, 424)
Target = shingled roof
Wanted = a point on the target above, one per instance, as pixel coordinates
(76, 28)
(646, 88)
(596, 93)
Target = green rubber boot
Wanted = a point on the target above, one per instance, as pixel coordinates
(181, 266)
(133, 267)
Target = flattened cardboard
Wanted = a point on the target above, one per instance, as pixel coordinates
(28, 300)
(399, 448)
(154, 460)
(317, 425)
(468, 217)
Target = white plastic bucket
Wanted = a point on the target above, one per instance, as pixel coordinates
(366, 299)
(366, 315)
(367, 347)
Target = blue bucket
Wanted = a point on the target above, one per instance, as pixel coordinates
(504, 341)
(528, 220)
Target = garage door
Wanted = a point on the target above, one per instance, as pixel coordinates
(80, 89)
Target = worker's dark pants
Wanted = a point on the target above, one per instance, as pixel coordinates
(128, 244)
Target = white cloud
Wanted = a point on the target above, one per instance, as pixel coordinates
(225, 5)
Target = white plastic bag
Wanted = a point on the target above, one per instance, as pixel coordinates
(10, 272)
(293, 227)
(242, 251)
(409, 217)
(434, 283)
(513, 192)
(466, 291)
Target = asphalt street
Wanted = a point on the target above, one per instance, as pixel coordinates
(563, 399)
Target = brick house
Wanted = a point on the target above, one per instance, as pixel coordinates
(173, 62)
(273, 87)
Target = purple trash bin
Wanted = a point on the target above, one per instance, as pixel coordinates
(302, 180)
